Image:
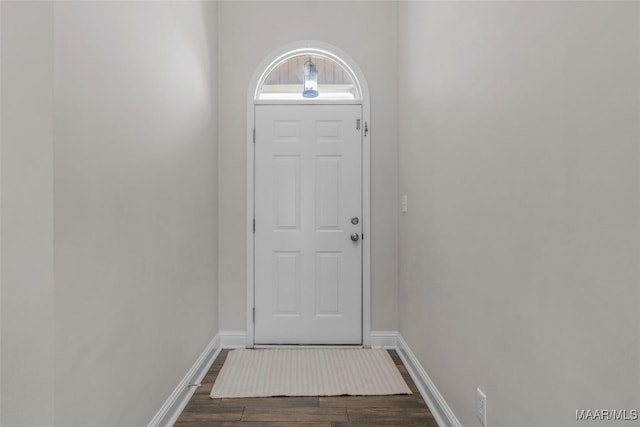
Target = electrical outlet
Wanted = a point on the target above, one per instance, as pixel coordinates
(481, 406)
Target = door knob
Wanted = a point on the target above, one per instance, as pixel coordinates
(355, 237)
(355, 220)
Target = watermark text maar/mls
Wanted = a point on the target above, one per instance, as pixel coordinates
(607, 414)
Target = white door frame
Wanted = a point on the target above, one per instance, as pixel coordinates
(259, 75)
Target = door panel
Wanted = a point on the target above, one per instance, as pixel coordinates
(308, 271)
(286, 283)
(287, 192)
(328, 283)
(327, 189)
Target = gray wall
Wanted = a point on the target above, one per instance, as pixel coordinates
(27, 288)
(367, 31)
(518, 149)
(109, 144)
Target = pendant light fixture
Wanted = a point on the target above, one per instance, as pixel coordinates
(310, 80)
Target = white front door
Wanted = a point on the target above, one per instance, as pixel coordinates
(308, 228)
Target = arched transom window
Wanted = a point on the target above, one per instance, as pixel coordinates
(308, 75)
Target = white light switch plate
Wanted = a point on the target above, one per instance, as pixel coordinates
(404, 203)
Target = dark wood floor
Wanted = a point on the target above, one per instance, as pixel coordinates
(399, 410)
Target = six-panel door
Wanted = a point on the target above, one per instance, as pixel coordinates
(308, 269)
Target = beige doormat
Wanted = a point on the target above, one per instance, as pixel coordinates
(308, 372)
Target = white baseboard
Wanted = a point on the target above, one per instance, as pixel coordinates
(176, 402)
(233, 339)
(441, 411)
(384, 339)
(239, 339)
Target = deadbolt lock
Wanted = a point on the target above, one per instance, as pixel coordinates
(355, 220)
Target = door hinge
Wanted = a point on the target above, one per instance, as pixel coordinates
(254, 226)
(357, 124)
(254, 315)
(254, 135)
(366, 128)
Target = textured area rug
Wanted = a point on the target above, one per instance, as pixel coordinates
(308, 372)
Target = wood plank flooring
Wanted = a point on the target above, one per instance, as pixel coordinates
(334, 411)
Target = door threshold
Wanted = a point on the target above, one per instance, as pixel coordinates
(301, 346)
